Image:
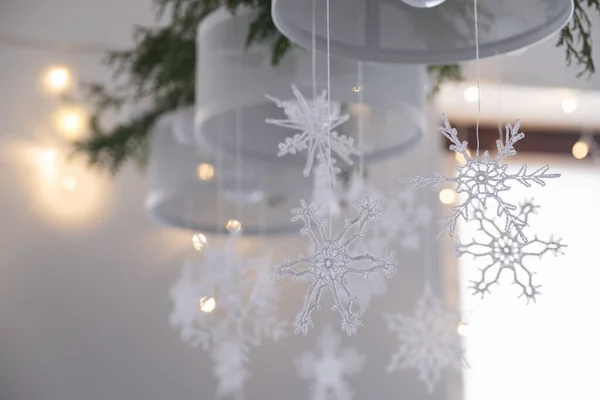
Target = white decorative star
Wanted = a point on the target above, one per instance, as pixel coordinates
(483, 178)
(327, 370)
(318, 130)
(332, 261)
(506, 252)
(429, 341)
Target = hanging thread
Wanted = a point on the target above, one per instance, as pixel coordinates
(329, 124)
(478, 74)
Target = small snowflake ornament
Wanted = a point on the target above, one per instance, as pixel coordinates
(332, 260)
(483, 178)
(317, 128)
(244, 309)
(429, 341)
(327, 369)
(505, 253)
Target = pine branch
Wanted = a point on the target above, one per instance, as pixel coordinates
(440, 74)
(576, 37)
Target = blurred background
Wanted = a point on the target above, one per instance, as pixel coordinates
(88, 256)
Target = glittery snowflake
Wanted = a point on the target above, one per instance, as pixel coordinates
(312, 118)
(226, 305)
(332, 260)
(483, 178)
(328, 368)
(505, 252)
(429, 341)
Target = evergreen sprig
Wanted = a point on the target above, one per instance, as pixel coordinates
(161, 68)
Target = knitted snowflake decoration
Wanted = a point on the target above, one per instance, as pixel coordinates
(403, 215)
(327, 369)
(332, 261)
(429, 341)
(245, 309)
(483, 178)
(505, 252)
(313, 120)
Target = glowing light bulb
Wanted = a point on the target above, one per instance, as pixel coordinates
(207, 304)
(71, 123)
(569, 105)
(69, 183)
(471, 94)
(460, 158)
(233, 225)
(423, 3)
(57, 78)
(198, 241)
(205, 172)
(580, 150)
(462, 329)
(356, 88)
(447, 196)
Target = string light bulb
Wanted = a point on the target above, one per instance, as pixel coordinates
(233, 225)
(69, 183)
(198, 241)
(57, 79)
(71, 123)
(471, 94)
(205, 171)
(462, 329)
(207, 304)
(447, 196)
(569, 105)
(580, 149)
(356, 88)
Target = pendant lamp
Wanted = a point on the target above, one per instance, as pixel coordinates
(188, 189)
(232, 80)
(420, 31)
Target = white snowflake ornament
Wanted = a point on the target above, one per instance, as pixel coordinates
(429, 341)
(244, 309)
(483, 178)
(332, 260)
(327, 369)
(506, 252)
(317, 129)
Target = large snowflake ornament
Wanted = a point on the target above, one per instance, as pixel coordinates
(332, 260)
(506, 252)
(317, 126)
(429, 341)
(328, 368)
(243, 309)
(483, 178)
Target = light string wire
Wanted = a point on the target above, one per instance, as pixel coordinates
(478, 74)
(329, 123)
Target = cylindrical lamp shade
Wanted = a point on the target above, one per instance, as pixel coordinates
(420, 31)
(386, 102)
(188, 187)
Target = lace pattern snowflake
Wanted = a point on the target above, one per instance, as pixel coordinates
(429, 341)
(332, 260)
(245, 309)
(327, 369)
(483, 178)
(317, 129)
(505, 252)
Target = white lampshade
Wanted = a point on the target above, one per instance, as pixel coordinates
(232, 82)
(187, 189)
(426, 32)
